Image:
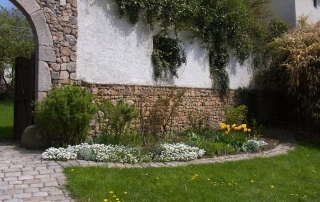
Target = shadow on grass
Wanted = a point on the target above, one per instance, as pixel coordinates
(6, 132)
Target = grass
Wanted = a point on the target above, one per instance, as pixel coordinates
(291, 177)
(6, 119)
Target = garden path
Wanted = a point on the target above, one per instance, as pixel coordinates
(24, 176)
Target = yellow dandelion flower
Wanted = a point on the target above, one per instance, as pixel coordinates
(208, 179)
(304, 196)
(125, 192)
(114, 196)
(105, 200)
(146, 173)
(157, 178)
(252, 181)
(72, 170)
(272, 187)
(110, 192)
(117, 199)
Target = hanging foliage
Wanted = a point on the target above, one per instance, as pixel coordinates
(167, 57)
(223, 26)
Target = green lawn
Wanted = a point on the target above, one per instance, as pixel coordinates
(291, 177)
(6, 119)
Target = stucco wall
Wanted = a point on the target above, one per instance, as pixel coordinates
(290, 10)
(306, 7)
(284, 10)
(113, 51)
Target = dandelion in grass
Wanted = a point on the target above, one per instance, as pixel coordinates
(157, 178)
(117, 199)
(114, 196)
(146, 174)
(72, 170)
(304, 196)
(111, 192)
(252, 181)
(272, 186)
(208, 179)
(105, 200)
(125, 192)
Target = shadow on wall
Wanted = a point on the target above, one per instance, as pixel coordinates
(234, 65)
(123, 25)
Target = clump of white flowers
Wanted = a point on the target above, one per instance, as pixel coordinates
(177, 152)
(122, 154)
(254, 145)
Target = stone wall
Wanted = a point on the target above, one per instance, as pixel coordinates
(194, 100)
(61, 17)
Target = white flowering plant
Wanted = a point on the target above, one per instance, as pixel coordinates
(122, 154)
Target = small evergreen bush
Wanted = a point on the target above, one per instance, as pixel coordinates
(119, 117)
(235, 115)
(65, 114)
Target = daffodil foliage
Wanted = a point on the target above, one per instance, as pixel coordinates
(223, 26)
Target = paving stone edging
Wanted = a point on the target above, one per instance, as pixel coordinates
(24, 176)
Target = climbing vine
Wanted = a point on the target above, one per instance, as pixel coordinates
(167, 57)
(224, 27)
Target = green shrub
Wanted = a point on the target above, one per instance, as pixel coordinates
(235, 115)
(216, 148)
(65, 114)
(119, 117)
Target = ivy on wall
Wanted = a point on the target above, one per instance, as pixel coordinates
(224, 27)
(167, 57)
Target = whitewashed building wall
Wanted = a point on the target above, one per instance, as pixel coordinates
(113, 51)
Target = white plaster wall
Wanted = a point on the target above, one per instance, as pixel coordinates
(290, 10)
(284, 10)
(306, 7)
(113, 51)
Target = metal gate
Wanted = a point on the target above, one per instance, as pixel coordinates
(23, 95)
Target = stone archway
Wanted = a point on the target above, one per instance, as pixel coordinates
(43, 42)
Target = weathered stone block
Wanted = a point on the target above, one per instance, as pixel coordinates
(34, 138)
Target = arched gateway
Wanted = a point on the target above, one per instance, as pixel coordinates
(54, 25)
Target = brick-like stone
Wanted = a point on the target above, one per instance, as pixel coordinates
(42, 194)
(53, 183)
(31, 190)
(22, 195)
(37, 185)
(47, 171)
(5, 197)
(12, 174)
(26, 177)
